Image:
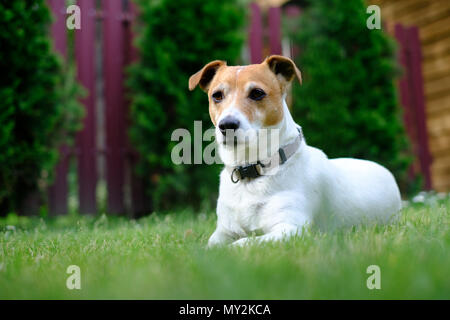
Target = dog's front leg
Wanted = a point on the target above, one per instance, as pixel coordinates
(279, 232)
(220, 237)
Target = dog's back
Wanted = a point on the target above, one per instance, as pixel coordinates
(362, 192)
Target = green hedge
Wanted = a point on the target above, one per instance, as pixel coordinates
(176, 38)
(347, 105)
(37, 98)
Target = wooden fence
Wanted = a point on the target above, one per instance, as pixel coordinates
(412, 99)
(264, 39)
(116, 18)
(432, 18)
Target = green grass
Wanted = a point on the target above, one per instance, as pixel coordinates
(164, 257)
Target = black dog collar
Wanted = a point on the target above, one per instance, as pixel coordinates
(251, 171)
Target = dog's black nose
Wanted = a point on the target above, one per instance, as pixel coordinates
(228, 123)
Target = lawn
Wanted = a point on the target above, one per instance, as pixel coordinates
(163, 256)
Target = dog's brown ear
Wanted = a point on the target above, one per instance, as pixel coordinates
(205, 75)
(284, 67)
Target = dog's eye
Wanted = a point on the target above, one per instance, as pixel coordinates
(217, 96)
(257, 94)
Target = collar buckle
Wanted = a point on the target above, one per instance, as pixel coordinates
(251, 171)
(247, 171)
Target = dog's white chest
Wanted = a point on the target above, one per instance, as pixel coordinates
(245, 206)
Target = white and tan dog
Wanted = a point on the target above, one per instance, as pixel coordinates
(305, 187)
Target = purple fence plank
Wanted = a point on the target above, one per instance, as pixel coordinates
(419, 103)
(86, 139)
(412, 99)
(292, 12)
(57, 193)
(404, 90)
(275, 30)
(58, 29)
(403, 82)
(113, 65)
(256, 34)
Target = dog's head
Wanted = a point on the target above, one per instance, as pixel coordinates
(248, 98)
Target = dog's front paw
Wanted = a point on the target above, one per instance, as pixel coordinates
(214, 244)
(219, 238)
(241, 242)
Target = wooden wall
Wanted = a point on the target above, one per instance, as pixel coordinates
(432, 17)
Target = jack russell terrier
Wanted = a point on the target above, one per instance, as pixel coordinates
(296, 185)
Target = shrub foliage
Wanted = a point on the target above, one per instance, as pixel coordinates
(347, 105)
(38, 107)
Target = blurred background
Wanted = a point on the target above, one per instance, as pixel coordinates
(87, 115)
